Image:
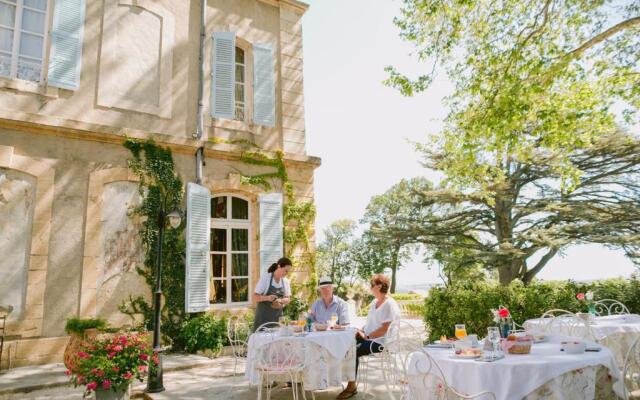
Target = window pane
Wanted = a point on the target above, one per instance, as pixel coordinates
(239, 93)
(240, 265)
(6, 39)
(239, 74)
(239, 290)
(240, 239)
(218, 292)
(5, 65)
(239, 55)
(7, 15)
(31, 46)
(239, 208)
(39, 4)
(219, 207)
(29, 70)
(218, 240)
(239, 112)
(32, 21)
(218, 265)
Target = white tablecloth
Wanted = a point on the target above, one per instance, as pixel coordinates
(329, 357)
(601, 326)
(515, 376)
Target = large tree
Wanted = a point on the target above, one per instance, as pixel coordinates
(385, 216)
(333, 253)
(546, 95)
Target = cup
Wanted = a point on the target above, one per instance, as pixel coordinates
(461, 331)
(473, 339)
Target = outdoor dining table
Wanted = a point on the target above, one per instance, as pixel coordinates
(545, 373)
(329, 356)
(616, 332)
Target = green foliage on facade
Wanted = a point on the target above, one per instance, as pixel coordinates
(204, 332)
(470, 303)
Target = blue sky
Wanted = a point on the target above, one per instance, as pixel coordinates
(362, 130)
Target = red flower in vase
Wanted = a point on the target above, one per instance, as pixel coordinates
(580, 296)
(504, 313)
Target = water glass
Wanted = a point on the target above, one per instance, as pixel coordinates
(493, 335)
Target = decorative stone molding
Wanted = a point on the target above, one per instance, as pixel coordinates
(30, 323)
(91, 261)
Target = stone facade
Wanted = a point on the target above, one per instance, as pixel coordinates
(69, 247)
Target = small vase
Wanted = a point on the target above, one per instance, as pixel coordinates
(111, 394)
(505, 328)
(592, 309)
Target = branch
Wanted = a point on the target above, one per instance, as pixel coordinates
(543, 261)
(629, 23)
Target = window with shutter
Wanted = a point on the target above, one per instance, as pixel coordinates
(271, 229)
(65, 59)
(264, 103)
(23, 24)
(197, 257)
(223, 75)
(230, 250)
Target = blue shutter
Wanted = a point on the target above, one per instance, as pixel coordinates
(223, 80)
(264, 102)
(197, 257)
(65, 58)
(271, 229)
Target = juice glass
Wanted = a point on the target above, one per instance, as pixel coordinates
(461, 331)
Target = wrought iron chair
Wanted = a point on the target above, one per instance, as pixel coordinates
(629, 387)
(402, 340)
(610, 307)
(562, 322)
(4, 314)
(238, 332)
(427, 381)
(280, 359)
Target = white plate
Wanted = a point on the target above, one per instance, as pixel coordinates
(467, 356)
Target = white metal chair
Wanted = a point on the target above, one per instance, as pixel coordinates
(427, 381)
(610, 307)
(402, 340)
(281, 359)
(629, 387)
(238, 332)
(269, 327)
(566, 323)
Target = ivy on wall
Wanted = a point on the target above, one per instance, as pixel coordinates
(158, 181)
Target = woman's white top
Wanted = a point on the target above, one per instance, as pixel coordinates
(263, 284)
(389, 311)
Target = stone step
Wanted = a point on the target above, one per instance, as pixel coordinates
(39, 377)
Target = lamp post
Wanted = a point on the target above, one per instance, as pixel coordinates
(154, 381)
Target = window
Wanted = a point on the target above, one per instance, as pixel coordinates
(22, 38)
(230, 250)
(240, 71)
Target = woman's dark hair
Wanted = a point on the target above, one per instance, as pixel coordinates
(283, 262)
(382, 280)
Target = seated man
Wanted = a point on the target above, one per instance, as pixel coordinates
(329, 304)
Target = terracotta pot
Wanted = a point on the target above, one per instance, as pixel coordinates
(76, 342)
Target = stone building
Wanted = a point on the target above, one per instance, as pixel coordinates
(79, 76)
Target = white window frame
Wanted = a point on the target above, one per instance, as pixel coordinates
(228, 224)
(17, 35)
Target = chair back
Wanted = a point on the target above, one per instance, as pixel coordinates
(281, 355)
(569, 324)
(401, 341)
(238, 332)
(631, 371)
(610, 307)
(269, 327)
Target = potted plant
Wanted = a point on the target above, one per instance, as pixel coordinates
(80, 330)
(108, 365)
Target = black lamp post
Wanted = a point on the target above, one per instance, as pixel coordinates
(154, 381)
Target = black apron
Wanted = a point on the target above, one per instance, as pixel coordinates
(264, 312)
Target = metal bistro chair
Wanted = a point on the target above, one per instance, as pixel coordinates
(402, 340)
(562, 322)
(628, 388)
(610, 307)
(4, 314)
(281, 359)
(238, 332)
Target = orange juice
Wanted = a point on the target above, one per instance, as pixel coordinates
(301, 322)
(461, 333)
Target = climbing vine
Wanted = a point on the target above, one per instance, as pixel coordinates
(159, 183)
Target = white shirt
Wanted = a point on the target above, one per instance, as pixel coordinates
(387, 312)
(263, 284)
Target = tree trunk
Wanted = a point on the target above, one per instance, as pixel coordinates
(508, 269)
(394, 269)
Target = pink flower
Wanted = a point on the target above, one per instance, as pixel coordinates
(106, 384)
(580, 296)
(142, 368)
(67, 372)
(100, 373)
(117, 348)
(128, 375)
(144, 357)
(92, 386)
(115, 369)
(111, 355)
(82, 354)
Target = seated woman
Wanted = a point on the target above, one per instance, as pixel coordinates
(382, 312)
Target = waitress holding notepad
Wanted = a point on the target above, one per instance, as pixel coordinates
(272, 293)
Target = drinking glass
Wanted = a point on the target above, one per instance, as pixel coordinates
(334, 320)
(282, 320)
(461, 331)
(493, 335)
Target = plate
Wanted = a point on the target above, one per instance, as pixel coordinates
(467, 356)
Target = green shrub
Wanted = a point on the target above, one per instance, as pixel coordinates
(470, 304)
(295, 307)
(79, 325)
(205, 332)
(406, 296)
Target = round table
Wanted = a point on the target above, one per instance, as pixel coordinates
(540, 374)
(330, 356)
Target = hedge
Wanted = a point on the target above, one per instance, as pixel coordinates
(471, 304)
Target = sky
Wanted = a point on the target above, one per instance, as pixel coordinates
(363, 130)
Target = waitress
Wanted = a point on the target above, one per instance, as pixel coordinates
(272, 293)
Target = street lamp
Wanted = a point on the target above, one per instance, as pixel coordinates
(154, 381)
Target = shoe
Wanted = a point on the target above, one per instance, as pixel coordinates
(347, 394)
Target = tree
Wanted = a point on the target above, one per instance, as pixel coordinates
(530, 217)
(386, 216)
(535, 148)
(333, 252)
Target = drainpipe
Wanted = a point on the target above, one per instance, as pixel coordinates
(200, 113)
